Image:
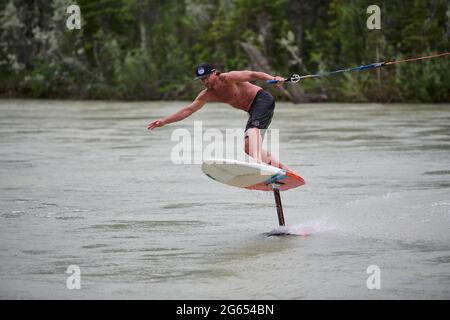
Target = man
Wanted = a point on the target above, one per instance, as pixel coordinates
(235, 89)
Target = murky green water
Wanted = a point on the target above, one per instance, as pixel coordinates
(84, 183)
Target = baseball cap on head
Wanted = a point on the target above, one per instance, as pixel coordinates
(203, 70)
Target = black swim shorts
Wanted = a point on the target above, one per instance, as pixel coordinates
(261, 111)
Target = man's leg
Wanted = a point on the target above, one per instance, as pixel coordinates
(253, 144)
(253, 147)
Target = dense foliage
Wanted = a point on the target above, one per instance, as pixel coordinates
(147, 49)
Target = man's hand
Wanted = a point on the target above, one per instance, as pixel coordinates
(280, 82)
(155, 124)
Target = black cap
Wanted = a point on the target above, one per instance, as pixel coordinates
(203, 70)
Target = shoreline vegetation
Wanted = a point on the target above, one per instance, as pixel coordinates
(146, 50)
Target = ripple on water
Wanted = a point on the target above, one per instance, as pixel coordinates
(94, 246)
(432, 147)
(183, 205)
(145, 224)
(441, 260)
(437, 173)
(13, 214)
(36, 252)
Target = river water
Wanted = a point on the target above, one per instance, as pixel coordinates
(85, 184)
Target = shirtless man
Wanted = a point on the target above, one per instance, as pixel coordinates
(235, 89)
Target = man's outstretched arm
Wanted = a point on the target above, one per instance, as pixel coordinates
(242, 76)
(198, 103)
